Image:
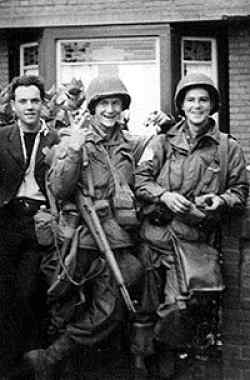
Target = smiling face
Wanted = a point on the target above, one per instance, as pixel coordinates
(196, 107)
(108, 111)
(27, 106)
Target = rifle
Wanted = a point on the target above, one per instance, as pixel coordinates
(91, 218)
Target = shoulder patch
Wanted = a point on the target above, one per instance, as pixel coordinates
(147, 155)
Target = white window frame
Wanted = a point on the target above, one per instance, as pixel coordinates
(22, 66)
(214, 64)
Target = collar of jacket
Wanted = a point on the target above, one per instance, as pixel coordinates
(14, 145)
(98, 136)
(176, 135)
(44, 129)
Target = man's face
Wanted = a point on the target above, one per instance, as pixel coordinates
(197, 106)
(108, 111)
(27, 106)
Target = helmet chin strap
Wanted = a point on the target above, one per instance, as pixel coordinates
(197, 130)
(106, 132)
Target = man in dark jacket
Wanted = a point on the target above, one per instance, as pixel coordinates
(22, 192)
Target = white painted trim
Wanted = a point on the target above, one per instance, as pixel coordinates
(22, 47)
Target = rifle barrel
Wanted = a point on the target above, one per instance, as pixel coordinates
(127, 299)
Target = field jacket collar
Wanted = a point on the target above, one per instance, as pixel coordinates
(176, 135)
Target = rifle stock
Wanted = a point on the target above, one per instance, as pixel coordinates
(89, 214)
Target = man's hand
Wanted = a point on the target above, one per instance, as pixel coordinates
(77, 139)
(176, 202)
(49, 154)
(209, 202)
(160, 120)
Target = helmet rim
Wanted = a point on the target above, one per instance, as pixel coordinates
(202, 81)
(125, 98)
(106, 87)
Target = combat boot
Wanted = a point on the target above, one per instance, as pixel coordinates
(45, 363)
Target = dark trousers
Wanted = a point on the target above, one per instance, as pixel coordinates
(89, 313)
(22, 293)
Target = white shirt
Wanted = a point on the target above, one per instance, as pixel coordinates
(29, 187)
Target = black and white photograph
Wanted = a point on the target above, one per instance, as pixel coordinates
(124, 190)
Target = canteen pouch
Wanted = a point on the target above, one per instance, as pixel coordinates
(124, 207)
(123, 200)
(45, 224)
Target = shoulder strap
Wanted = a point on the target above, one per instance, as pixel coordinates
(223, 155)
(116, 177)
(50, 196)
(90, 182)
(90, 190)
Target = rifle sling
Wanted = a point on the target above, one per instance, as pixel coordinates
(223, 155)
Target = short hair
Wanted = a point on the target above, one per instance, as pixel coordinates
(27, 80)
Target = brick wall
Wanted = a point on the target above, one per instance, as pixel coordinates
(236, 301)
(18, 13)
(4, 64)
(236, 312)
(239, 85)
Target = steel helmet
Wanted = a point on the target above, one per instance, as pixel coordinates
(106, 86)
(196, 80)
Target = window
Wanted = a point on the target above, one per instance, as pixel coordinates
(29, 58)
(199, 54)
(134, 59)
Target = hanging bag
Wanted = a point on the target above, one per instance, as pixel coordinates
(197, 263)
(198, 267)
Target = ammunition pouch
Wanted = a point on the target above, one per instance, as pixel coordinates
(68, 220)
(50, 227)
(103, 209)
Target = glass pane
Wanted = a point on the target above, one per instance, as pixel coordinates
(143, 85)
(31, 71)
(200, 67)
(84, 72)
(30, 55)
(197, 50)
(123, 49)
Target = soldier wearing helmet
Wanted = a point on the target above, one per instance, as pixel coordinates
(197, 80)
(100, 159)
(187, 179)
